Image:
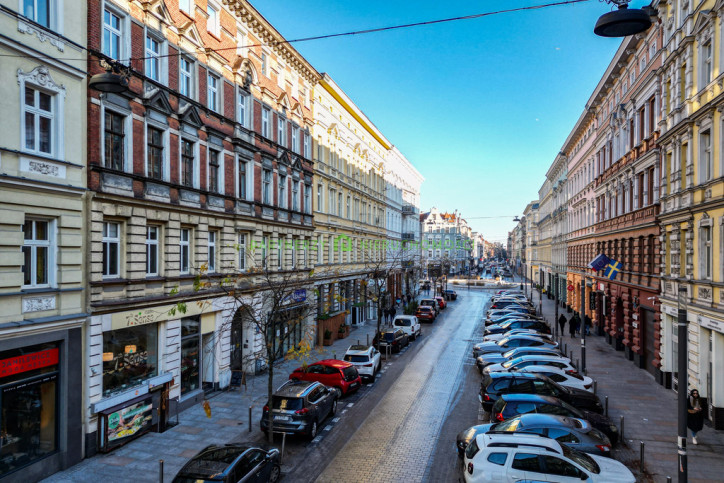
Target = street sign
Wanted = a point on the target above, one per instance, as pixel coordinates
(570, 288)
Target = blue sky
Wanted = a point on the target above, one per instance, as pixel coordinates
(480, 107)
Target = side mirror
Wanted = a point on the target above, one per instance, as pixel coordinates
(584, 476)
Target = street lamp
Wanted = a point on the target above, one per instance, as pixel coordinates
(624, 21)
(114, 80)
(683, 382)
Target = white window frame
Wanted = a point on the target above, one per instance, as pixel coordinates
(265, 114)
(307, 145)
(282, 181)
(267, 181)
(152, 56)
(213, 22)
(127, 134)
(706, 162)
(281, 130)
(280, 253)
(213, 91)
(264, 251)
(241, 261)
(320, 195)
(153, 244)
(211, 253)
(165, 168)
(40, 80)
(706, 253)
(190, 74)
(55, 14)
(248, 188)
(243, 109)
(189, 6)
(294, 254)
(295, 194)
(307, 198)
(184, 241)
(295, 139)
(108, 240)
(117, 32)
(706, 66)
(51, 249)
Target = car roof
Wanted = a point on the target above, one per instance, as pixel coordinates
(295, 388)
(213, 461)
(358, 349)
(537, 357)
(404, 317)
(516, 440)
(334, 363)
(533, 398)
(530, 420)
(519, 375)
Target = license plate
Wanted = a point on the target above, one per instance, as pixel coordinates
(282, 418)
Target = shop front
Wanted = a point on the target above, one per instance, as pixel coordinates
(40, 397)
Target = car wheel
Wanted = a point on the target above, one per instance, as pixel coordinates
(313, 430)
(275, 473)
(334, 408)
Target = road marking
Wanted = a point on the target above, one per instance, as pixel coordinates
(317, 439)
(335, 420)
(344, 411)
(350, 405)
(327, 427)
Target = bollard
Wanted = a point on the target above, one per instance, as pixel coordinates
(621, 430)
(641, 462)
(358, 341)
(250, 419)
(595, 386)
(606, 407)
(160, 471)
(284, 440)
(368, 340)
(668, 479)
(334, 355)
(578, 364)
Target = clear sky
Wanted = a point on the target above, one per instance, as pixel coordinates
(480, 107)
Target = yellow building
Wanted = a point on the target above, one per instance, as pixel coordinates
(42, 186)
(692, 195)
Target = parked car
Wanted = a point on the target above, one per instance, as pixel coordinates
(496, 337)
(537, 325)
(409, 324)
(561, 376)
(395, 338)
(332, 373)
(430, 303)
(530, 457)
(496, 357)
(510, 405)
(514, 365)
(511, 342)
(231, 463)
(426, 313)
(451, 294)
(575, 433)
(366, 359)
(299, 407)
(441, 302)
(496, 384)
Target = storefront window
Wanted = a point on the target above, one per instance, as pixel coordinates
(130, 356)
(28, 400)
(287, 330)
(190, 350)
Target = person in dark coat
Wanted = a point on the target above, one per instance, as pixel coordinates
(573, 325)
(562, 324)
(587, 326)
(695, 416)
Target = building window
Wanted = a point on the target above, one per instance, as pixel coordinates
(243, 105)
(706, 253)
(152, 250)
(706, 167)
(264, 65)
(187, 162)
(39, 117)
(211, 255)
(307, 198)
(112, 34)
(307, 146)
(212, 22)
(340, 197)
(155, 153)
(295, 139)
(185, 250)
(266, 187)
(293, 248)
(213, 93)
(265, 122)
(190, 354)
(280, 253)
(38, 253)
(242, 251)
(320, 190)
(282, 191)
(130, 357)
(295, 195)
(186, 77)
(706, 64)
(349, 207)
(114, 140)
(264, 248)
(281, 131)
(243, 180)
(111, 249)
(153, 59)
(214, 171)
(186, 6)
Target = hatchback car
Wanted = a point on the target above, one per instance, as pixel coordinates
(514, 365)
(299, 407)
(395, 338)
(231, 463)
(451, 295)
(496, 384)
(531, 457)
(503, 327)
(496, 337)
(332, 373)
(431, 303)
(511, 342)
(366, 359)
(497, 357)
(409, 324)
(562, 377)
(426, 313)
(510, 405)
(575, 433)
(441, 302)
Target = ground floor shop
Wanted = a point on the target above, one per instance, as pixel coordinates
(40, 400)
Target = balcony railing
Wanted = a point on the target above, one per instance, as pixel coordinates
(408, 236)
(409, 210)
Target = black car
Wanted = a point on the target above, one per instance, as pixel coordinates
(231, 463)
(537, 325)
(299, 407)
(451, 295)
(397, 339)
(496, 384)
(510, 405)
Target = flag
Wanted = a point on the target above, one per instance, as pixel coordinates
(612, 269)
(600, 262)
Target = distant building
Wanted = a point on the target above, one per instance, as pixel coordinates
(447, 242)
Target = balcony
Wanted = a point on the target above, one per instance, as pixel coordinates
(408, 236)
(409, 210)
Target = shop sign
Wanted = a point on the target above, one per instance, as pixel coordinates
(133, 318)
(28, 362)
(300, 295)
(129, 421)
(716, 325)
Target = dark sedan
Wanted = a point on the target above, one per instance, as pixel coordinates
(509, 325)
(231, 463)
(396, 339)
(299, 407)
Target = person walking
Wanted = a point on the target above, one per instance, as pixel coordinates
(573, 325)
(587, 324)
(695, 416)
(393, 312)
(562, 324)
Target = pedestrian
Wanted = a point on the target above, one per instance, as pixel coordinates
(393, 312)
(587, 324)
(572, 325)
(562, 324)
(695, 416)
(386, 313)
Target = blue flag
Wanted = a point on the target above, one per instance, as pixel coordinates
(612, 269)
(599, 263)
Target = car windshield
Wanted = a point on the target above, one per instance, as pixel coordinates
(508, 425)
(581, 458)
(286, 403)
(403, 322)
(356, 358)
(350, 373)
(511, 362)
(388, 336)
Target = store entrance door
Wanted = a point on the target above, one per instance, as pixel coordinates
(647, 323)
(208, 366)
(237, 341)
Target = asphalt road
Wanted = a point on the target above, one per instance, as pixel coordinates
(403, 426)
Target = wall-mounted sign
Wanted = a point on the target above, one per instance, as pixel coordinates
(712, 324)
(126, 423)
(28, 362)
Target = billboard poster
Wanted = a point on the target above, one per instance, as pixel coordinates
(129, 421)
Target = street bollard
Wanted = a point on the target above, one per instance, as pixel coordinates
(368, 340)
(595, 387)
(578, 364)
(641, 462)
(284, 441)
(334, 355)
(160, 471)
(621, 430)
(358, 341)
(606, 406)
(668, 479)
(250, 419)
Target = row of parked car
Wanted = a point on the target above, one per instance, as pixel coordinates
(428, 309)
(545, 422)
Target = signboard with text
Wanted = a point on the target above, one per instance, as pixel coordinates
(28, 362)
(128, 422)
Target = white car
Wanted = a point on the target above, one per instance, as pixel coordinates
(497, 337)
(408, 324)
(562, 377)
(517, 364)
(531, 457)
(366, 359)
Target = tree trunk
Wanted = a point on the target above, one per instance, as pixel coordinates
(270, 392)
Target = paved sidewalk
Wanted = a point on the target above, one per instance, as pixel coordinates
(138, 460)
(649, 410)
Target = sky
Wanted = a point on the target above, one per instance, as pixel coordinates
(480, 107)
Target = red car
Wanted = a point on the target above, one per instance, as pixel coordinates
(332, 373)
(426, 313)
(441, 302)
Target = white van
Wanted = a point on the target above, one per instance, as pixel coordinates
(408, 324)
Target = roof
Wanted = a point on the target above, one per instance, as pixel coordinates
(334, 363)
(294, 388)
(213, 462)
(529, 398)
(537, 419)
